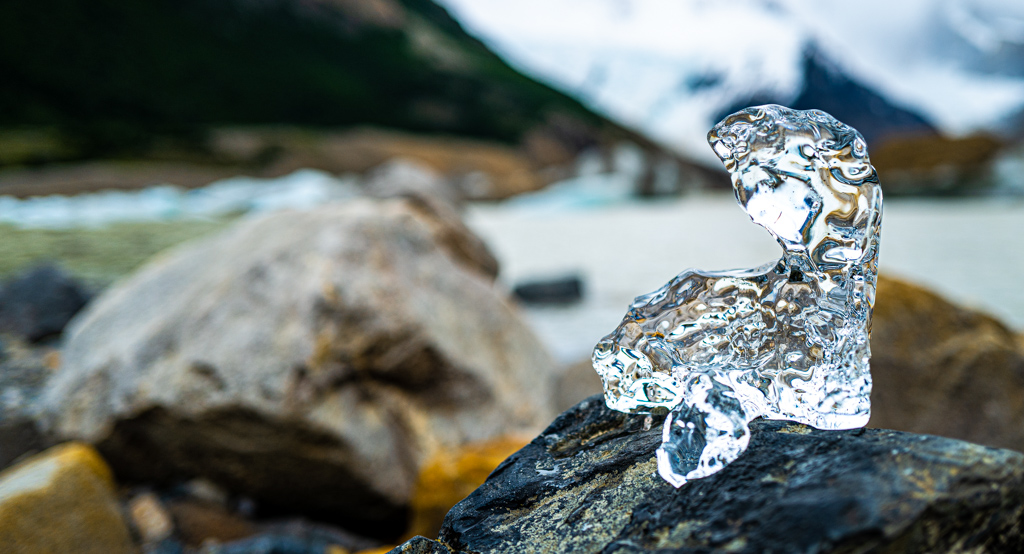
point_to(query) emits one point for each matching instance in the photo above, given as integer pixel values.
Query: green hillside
(113, 76)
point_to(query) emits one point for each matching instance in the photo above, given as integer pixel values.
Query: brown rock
(944, 370)
(932, 163)
(507, 171)
(61, 500)
(575, 383)
(199, 522)
(310, 361)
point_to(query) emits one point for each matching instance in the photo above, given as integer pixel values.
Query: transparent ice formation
(788, 340)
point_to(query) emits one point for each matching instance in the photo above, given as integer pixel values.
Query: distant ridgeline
(911, 155)
(112, 74)
(826, 87)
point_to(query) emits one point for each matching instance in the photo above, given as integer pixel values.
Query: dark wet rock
(38, 303)
(421, 545)
(589, 483)
(552, 291)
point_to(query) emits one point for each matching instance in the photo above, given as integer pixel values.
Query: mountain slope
(668, 67)
(112, 74)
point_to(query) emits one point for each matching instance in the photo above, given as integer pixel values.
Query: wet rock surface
(309, 361)
(557, 291)
(589, 484)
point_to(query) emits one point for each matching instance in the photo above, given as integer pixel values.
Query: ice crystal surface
(788, 340)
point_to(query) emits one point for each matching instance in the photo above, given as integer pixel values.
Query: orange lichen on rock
(62, 500)
(449, 476)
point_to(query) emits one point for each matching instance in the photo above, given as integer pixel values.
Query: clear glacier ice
(788, 340)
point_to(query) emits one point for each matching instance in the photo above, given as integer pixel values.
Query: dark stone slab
(589, 483)
(564, 290)
(38, 304)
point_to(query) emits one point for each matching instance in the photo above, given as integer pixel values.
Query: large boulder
(942, 369)
(62, 500)
(311, 361)
(589, 483)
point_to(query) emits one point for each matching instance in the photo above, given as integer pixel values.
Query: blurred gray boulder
(403, 178)
(310, 361)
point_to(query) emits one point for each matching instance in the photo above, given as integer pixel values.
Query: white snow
(302, 189)
(634, 59)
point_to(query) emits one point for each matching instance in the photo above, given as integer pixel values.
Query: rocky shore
(335, 380)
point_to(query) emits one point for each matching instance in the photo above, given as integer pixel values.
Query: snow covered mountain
(670, 67)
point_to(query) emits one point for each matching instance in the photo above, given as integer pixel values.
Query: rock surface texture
(310, 361)
(589, 483)
(62, 500)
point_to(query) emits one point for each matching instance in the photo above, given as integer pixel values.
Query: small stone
(38, 303)
(206, 491)
(200, 522)
(151, 520)
(400, 178)
(565, 290)
(422, 545)
(62, 500)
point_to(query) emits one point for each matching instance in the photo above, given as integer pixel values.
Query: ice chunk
(788, 340)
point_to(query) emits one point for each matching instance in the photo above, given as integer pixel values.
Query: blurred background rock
(257, 258)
